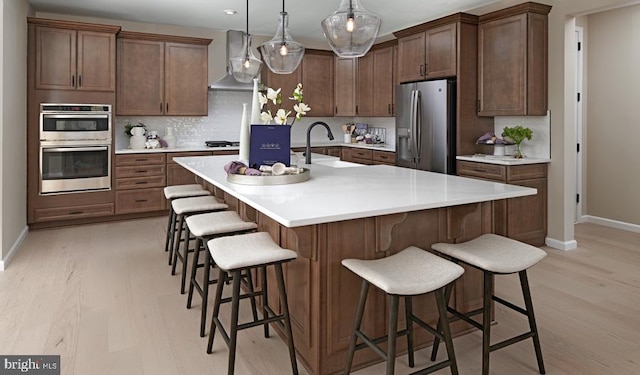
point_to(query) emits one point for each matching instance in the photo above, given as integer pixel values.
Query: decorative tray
(284, 179)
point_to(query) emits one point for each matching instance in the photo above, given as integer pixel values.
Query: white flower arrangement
(281, 115)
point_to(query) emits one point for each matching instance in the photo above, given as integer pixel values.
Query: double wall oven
(75, 148)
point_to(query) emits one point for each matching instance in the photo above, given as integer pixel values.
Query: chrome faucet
(307, 154)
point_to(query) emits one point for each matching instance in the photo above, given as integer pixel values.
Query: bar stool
(496, 255)
(175, 192)
(409, 273)
(183, 208)
(205, 227)
(233, 255)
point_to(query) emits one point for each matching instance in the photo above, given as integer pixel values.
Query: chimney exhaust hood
(234, 48)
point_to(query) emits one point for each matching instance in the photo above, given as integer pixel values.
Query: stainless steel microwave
(72, 122)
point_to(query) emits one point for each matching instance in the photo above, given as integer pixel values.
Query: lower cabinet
(368, 156)
(177, 174)
(72, 213)
(140, 180)
(525, 218)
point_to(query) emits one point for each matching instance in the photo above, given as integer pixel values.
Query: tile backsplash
(540, 144)
(223, 123)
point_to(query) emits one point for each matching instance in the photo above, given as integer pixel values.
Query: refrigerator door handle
(417, 124)
(412, 134)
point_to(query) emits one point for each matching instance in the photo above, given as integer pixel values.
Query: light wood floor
(102, 297)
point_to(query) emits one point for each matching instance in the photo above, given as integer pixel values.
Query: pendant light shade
(282, 54)
(246, 66)
(351, 30)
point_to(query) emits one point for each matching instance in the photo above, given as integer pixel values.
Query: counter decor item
(517, 134)
(169, 138)
(276, 174)
(129, 126)
(491, 139)
(137, 140)
(245, 131)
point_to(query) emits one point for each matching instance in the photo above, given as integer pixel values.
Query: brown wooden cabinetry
(177, 174)
(384, 80)
(345, 86)
(140, 181)
(367, 156)
(525, 218)
(428, 54)
(317, 82)
(512, 61)
(74, 55)
(171, 81)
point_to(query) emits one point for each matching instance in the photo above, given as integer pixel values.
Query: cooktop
(221, 144)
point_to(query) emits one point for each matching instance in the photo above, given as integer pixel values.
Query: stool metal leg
(233, 331)
(177, 237)
(205, 287)
(282, 291)
(265, 299)
(170, 228)
(443, 326)
(393, 333)
(486, 321)
(222, 278)
(185, 261)
(408, 308)
(526, 293)
(436, 341)
(194, 271)
(356, 325)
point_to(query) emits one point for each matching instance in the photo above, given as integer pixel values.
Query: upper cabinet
(74, 55)
(512, 61)
(162, 75)
(315, 72)
(428, 54)
(376, 81)
(345, 86)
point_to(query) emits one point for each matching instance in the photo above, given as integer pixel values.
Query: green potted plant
(516, 135)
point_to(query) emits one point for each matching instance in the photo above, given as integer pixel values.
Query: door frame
(579, 124)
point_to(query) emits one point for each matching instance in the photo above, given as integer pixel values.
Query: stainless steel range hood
(234, 48)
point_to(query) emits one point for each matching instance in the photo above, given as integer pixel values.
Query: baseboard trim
(612, 223)
(561, 245)
(4, 263)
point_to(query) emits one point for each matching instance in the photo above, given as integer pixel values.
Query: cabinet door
(55, 58)
(96, 61)
(441, 50)
(186, 73)
(140, 79)
(345, 86)
(383, 82)
(317, 82)
(287, 83)
(364, 89)
(502, 66)
(527, 216)
(411, 58)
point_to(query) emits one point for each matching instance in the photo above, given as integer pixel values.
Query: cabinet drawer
(78, 212)
(361, 161)
(139, 159)
(526, 172)
(384, 157)
(141, 200)
(140, 171)
(359, 153)
(183, 154)
(140, 182)
(482, 170)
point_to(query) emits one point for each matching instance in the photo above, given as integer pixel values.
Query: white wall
(613, 155)
(13, 120)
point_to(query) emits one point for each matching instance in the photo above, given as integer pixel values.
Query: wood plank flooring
(103, 298)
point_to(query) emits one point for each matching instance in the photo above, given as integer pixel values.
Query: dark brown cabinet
(162, 75)
(286, 83)
(384, 80)
(512, 61)
(177, 174)
(367, 156)
(345, 86)
(364, 85)
(139, 181)
(525, 218)
(74, 56)
(428, 54)
(317, 82)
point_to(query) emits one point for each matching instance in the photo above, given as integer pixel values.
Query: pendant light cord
(283, 26)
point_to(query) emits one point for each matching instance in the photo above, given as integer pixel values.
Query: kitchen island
(359, 212)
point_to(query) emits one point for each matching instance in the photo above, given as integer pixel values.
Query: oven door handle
(75, 115)
(68, 149)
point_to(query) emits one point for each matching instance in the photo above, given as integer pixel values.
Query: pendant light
(351, 30)
(246, 66)
(282, 54)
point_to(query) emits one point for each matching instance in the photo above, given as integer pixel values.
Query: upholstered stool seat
(496, 255)
(174, 192)
(245, 252)
(205, 227)
(409, 273)
(183, 208)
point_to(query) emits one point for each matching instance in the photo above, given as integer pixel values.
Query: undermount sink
(336, 163)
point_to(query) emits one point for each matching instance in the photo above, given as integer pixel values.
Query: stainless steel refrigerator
(425, 126)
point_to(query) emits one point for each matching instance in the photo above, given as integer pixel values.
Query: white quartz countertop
(384, 147)
(501, 160)
(336, 194)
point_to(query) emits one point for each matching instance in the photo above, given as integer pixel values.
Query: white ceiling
(304, 15)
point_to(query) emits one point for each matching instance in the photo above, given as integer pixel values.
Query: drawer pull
(141, 171)
(479, 170)
(141, 200)
(141, 183)
(142, 159)
(76, 212)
